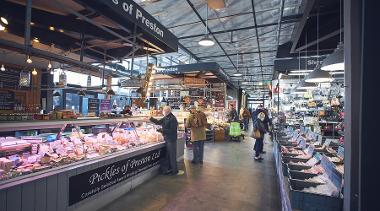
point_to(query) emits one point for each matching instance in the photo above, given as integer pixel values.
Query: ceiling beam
(307, 7)
(251, 52)
(241, 29)
(321, 39)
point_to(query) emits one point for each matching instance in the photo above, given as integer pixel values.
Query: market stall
(111, 160)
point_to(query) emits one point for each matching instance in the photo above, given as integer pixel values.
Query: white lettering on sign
(128, 8)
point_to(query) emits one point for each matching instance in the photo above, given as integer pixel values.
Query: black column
(362, 143)
(369, 144)
(352, 46)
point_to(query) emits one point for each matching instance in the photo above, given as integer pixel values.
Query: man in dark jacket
(232, 115)
(169, 125)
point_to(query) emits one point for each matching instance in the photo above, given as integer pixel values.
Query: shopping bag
(256, 133)
(267, 137)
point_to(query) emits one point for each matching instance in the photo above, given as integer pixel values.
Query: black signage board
(93, 105)
(284, 65)
(131, 12)
(189, 68)
(90, 183)
(7, 100)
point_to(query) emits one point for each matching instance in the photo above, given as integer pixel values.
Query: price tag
(318, 156)
(302, 143)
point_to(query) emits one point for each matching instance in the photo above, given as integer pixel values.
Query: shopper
(169, 125)
(245, 115)
(259, 144)
(232, 115)
(127, 110)
(197, 121)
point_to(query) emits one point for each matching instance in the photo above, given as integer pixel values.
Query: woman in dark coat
(259, 144)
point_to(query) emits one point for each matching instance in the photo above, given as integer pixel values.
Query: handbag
(256, 133)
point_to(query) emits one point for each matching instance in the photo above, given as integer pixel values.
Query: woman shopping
(258, 134)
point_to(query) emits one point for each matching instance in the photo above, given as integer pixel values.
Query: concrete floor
(228, 180)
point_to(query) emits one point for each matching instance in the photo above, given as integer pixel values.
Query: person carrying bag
(258, 134)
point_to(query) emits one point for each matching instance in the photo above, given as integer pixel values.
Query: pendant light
(49, 65)
(57, 94)
(318, 75)
(206, 40)
(2, 68)
(237, 74)
(34, 72)
(147, 100)
(335, 61)
(163, 100)
(29, 60)
(81, 93)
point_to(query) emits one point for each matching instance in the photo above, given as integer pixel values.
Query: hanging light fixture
(52, 72)
(2, 68)
(57, 94)
(81, 93)
(206, 40)
(306, 85)
(147, 100)
(318, 75)
(49, 65)
(34, 72)
(163, 100)
(110, 92)
(4, 20)
(29, 60)
(237, 74)
(300, 91)
(335, 61)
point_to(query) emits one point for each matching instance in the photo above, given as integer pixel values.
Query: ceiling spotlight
(36, 39)
(4, 20)
(29, 60)
(51, 28)
(61, 30)
(49, 65)
(34, 72)
(32, 23)
(2, 28)
(2, 68)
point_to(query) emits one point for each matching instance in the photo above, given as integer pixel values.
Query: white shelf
(48, 124)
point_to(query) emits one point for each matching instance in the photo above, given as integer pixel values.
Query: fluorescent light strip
(298, 74)
(301, 71)
(336, 73)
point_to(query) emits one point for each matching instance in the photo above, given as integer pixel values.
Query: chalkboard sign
(7, 100)
(10, 79)
(93, 105)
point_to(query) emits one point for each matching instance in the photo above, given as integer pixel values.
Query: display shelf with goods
(310, 169)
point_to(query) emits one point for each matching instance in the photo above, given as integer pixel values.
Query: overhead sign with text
(136, 14)
(89, 183)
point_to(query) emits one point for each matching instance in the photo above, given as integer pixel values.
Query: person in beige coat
(197, 121)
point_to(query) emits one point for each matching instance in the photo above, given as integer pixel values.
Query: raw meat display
(315, 170)
(20, 156)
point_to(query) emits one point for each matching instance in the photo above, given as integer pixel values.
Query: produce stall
(71, 169)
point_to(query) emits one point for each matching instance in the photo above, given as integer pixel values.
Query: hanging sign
(89, 183)
(134, 13)
(105, 106)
